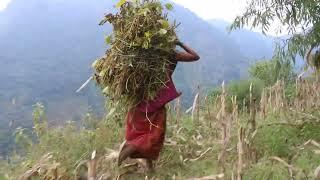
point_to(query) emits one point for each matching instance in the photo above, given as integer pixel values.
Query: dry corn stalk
(195, 106)
(235, 109)
(263, 104)
(226, 121)
(253, 115)
(317, 173)
(240, 153)
(178, 111)
(207, 103)
(250, 97)
(44, 169)
(212, 177)
(92, 167)
(198, 104)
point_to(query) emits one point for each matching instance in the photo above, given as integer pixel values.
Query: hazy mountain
(252, 44)
(47, 47)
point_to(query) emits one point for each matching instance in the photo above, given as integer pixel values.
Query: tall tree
(301, 18)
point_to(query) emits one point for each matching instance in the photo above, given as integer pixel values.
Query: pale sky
(3, 4)
(206, 9)
(215, 9)
(226, 10)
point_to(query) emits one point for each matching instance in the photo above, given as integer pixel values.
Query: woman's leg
(126, 152)
(144, 140)
(149, 164)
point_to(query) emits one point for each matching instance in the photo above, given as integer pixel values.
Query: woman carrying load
(146, 123)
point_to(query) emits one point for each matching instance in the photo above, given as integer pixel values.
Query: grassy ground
(272, 140)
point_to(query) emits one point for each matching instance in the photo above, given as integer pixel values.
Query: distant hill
(252, 44)
(47, 47)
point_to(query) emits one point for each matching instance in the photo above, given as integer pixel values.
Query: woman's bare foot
(149, 166)
(126, 151)
(146, 165)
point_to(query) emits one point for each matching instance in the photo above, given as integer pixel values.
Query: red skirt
(146, 132)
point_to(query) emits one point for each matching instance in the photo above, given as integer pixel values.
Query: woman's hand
(179, 43)
(189, 56)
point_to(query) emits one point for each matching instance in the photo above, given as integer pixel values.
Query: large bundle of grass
(141, 47)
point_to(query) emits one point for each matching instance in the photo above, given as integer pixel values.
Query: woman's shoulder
(173, 64)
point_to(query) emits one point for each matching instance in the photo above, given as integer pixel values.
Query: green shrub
(290, 91)
(241, 89)
(270, 71)
(276, 140)
(267, 170)
(307, 161)
(310, 131)
(68, 145)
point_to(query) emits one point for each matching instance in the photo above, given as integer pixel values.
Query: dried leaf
(163, 31)
(93, 155)
(111, 112)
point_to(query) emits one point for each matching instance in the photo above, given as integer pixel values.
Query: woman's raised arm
(189, 56)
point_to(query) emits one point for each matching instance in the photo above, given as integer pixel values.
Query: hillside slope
(47, 47)
(252, 44)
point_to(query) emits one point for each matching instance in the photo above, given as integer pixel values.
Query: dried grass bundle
(141, 47)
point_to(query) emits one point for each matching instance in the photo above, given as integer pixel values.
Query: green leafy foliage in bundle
(142, 44)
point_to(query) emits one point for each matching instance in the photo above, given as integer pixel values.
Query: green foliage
(120, 3)
(22, 139)
(281, 140)
(307, 160)
(90, 121)
(266, 170)
(68, 145)
(142, 46)
(310, 131)
(108, 42)
(169, 6)
(4, 170)
(270, 71)
(241, 89)
(299, 17)
(276, 141)
(39, 119)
